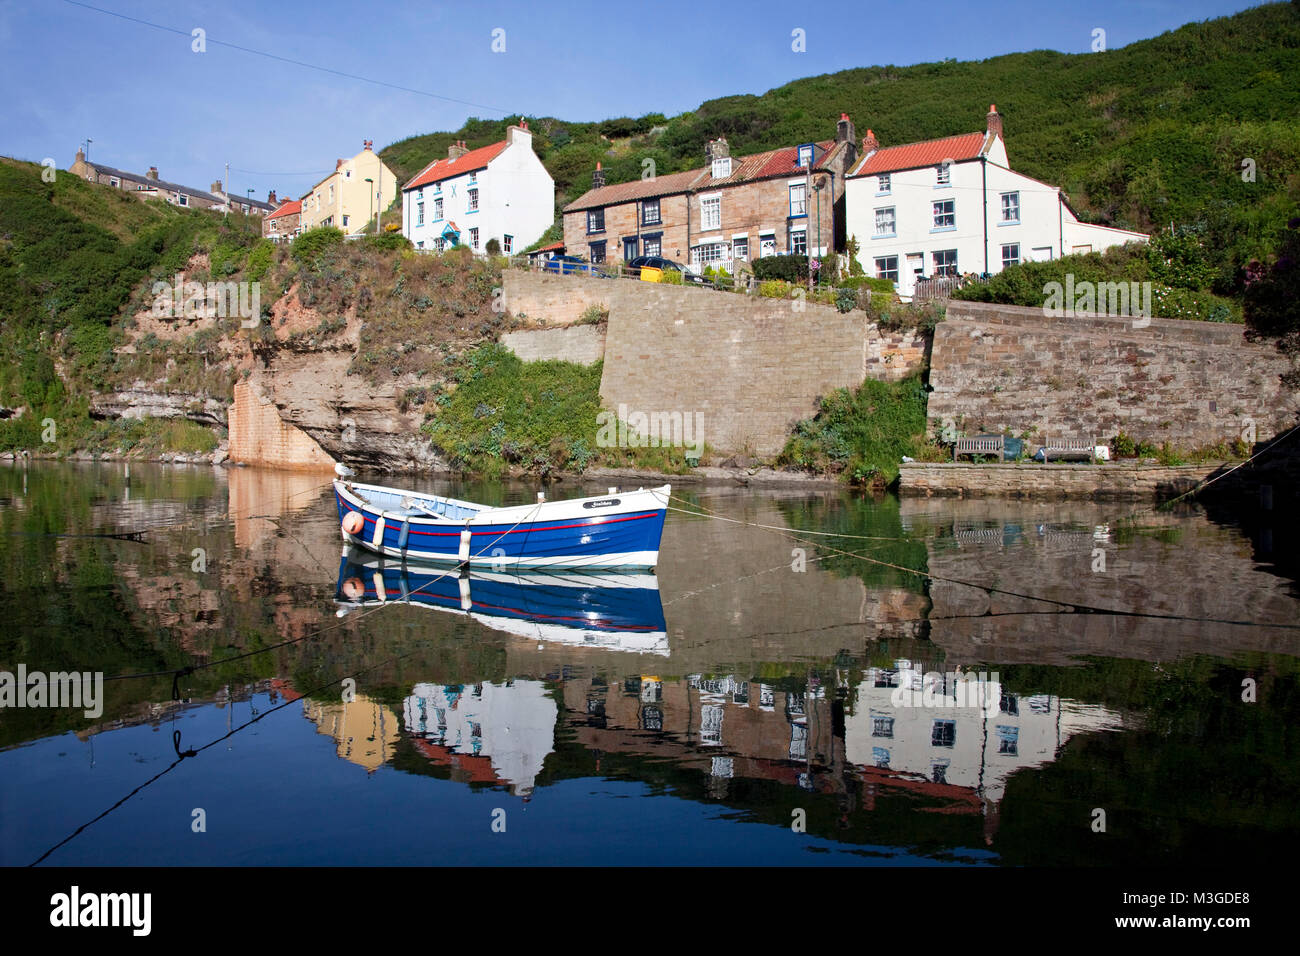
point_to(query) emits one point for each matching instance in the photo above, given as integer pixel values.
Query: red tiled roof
(636, 189)
(554, 245)
(774, 162)
(288, 208)
(441, 169)
(931, 152)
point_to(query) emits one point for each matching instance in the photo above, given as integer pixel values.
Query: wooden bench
(1061, 447)
(983, 445)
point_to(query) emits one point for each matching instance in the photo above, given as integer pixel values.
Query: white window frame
(722, 167)
(1008, 199)
(795, 236)
(882, 271)
(473, 237)
(934, 259)
(798, 201)
(1014, 259)
(945, 214)
(884, 185)
(943, 175)
(473, 200)
(710, 212)
(437, 210)
(508, 244)
(890, 214)
(419, 213)
(740, 248)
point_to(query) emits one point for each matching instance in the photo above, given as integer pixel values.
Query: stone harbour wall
(1007, 369)
(747, 368)
(1113, 481)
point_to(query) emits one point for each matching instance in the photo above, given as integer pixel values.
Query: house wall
(755, 209)
(621, 222)
(1044, 226)
(282, 227)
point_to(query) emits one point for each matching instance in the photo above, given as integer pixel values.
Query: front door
(767, 246)
(630, 249)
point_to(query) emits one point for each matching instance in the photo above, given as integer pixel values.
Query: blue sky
(147, 99)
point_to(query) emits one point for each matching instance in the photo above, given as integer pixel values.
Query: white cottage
(953, 206)
(500, 192)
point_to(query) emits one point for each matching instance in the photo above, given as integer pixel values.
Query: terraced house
(150, 186)
(951, 206)
(787, 201)
(501, 191)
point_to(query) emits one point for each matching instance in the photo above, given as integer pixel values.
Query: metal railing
(941, 287)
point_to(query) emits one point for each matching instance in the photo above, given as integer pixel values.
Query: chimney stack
(994, 121)
(270, 197)
(368, 145)
(598, 177)
(152, 174)
(81, 155)
(216, 187)
(847, 133)
(520, 133)
(456, 150)
(869, 143)
(717, 149)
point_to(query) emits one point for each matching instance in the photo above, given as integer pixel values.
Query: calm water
(744, 705)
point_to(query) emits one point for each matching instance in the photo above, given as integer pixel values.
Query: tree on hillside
(1272, 300)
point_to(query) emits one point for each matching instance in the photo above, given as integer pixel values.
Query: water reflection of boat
(613, 611)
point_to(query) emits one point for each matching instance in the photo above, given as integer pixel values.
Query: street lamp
(372, 201)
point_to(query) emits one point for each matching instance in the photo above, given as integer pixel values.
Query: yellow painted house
(349, 197)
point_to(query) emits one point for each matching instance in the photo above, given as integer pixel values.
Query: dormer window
(806, 155)
(943, 174)
(883, 184)
(722, 167)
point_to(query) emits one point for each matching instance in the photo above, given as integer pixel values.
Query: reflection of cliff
(364, 730)
(259, 497)
(1176, 565)
(497, 733)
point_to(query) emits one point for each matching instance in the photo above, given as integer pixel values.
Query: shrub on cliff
(861, 435)
(308, 246)
(1272, 304)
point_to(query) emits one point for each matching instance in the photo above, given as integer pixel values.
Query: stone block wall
(1009, 369)
(747, 367)
(259, 436)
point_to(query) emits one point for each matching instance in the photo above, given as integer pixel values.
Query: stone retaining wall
(1118, 481)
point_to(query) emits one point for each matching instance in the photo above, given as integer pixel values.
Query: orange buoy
(353, 522)
(354, 589)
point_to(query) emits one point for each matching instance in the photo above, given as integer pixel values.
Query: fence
(941, 287)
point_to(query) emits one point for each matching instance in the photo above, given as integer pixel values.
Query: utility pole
(226, 184)
(807, 195)
(88, 142)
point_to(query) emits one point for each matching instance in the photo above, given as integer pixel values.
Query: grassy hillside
(1139, 137)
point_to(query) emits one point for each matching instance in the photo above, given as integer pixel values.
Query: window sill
(943, 229)
(884, 194)
(889, 235)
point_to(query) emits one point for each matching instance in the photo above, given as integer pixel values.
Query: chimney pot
(270, 197)
(870, 143)
(456, 150)
(994, 119)
(152, 174)
(598, 177)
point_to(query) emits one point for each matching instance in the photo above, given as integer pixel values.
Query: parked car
(655, 265)
(569, 265)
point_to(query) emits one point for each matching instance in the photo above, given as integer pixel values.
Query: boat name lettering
(601, 503)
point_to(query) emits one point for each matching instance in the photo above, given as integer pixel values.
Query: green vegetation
(861, 435)
(1273, 300)
(1178, 265)
(506, 416)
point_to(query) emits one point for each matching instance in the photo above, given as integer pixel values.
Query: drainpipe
(1060, 224)
(984, 188)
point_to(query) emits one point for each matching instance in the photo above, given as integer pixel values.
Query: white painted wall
(516, 198)
(1044, 226)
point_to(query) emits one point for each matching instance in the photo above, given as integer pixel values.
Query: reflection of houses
(497, 733)
(944, 736)
(364, 730)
